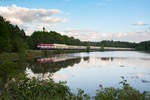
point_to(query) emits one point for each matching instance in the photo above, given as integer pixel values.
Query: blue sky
(105, 17)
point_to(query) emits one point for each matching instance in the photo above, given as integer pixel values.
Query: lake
(89, 70)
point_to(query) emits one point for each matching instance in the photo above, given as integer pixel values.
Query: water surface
(88, 70)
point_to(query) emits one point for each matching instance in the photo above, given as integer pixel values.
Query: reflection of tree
(52, 67)
(86, 58)
(112, 58)
(105, 58)
(9, 70)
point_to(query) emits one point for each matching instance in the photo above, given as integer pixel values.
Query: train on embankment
(43, 46)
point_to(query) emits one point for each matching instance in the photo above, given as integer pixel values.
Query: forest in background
(14, 39)
(14, 84)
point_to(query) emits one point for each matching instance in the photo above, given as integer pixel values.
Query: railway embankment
(29, 54)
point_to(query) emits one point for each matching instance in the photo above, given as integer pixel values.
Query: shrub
(124, 93)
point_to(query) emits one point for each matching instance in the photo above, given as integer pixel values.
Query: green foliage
(33, 89)
(12, 39)
(50, 37)
(88, 49)
(82, 96)
(124, 93)
(7, 56)
(108, 43)
(8, 69)
(118, 44)
(4, 36)
(53, 37)
(143, 46)
(102, 48)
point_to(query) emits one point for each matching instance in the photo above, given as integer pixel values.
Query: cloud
(21, 15)
(27, 17)
(140, 23)
(86, 35)
(29, 29)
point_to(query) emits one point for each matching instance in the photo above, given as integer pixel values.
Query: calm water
(88, 70)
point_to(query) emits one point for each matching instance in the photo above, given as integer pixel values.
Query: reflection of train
(56, 59)
(71, 47)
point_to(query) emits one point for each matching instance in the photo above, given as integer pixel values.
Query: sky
(87, 20)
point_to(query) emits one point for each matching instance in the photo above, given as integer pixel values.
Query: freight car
(59, 46)
(46, 46)
(43, 46)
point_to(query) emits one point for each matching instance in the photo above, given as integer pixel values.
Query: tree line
(13, 39)
(143, 46)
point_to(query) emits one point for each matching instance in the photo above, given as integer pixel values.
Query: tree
(12, 38)
(4, 36)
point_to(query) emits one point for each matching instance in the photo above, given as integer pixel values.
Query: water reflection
(88, 70)
(145, 81)
(86, 58)
(105, 58)
(52, 64)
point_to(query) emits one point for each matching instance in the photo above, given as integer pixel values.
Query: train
(59, 46)
(44, 46)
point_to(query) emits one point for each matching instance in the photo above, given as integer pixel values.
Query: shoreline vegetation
(16, 48)
(23, 88)
(30, 54)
